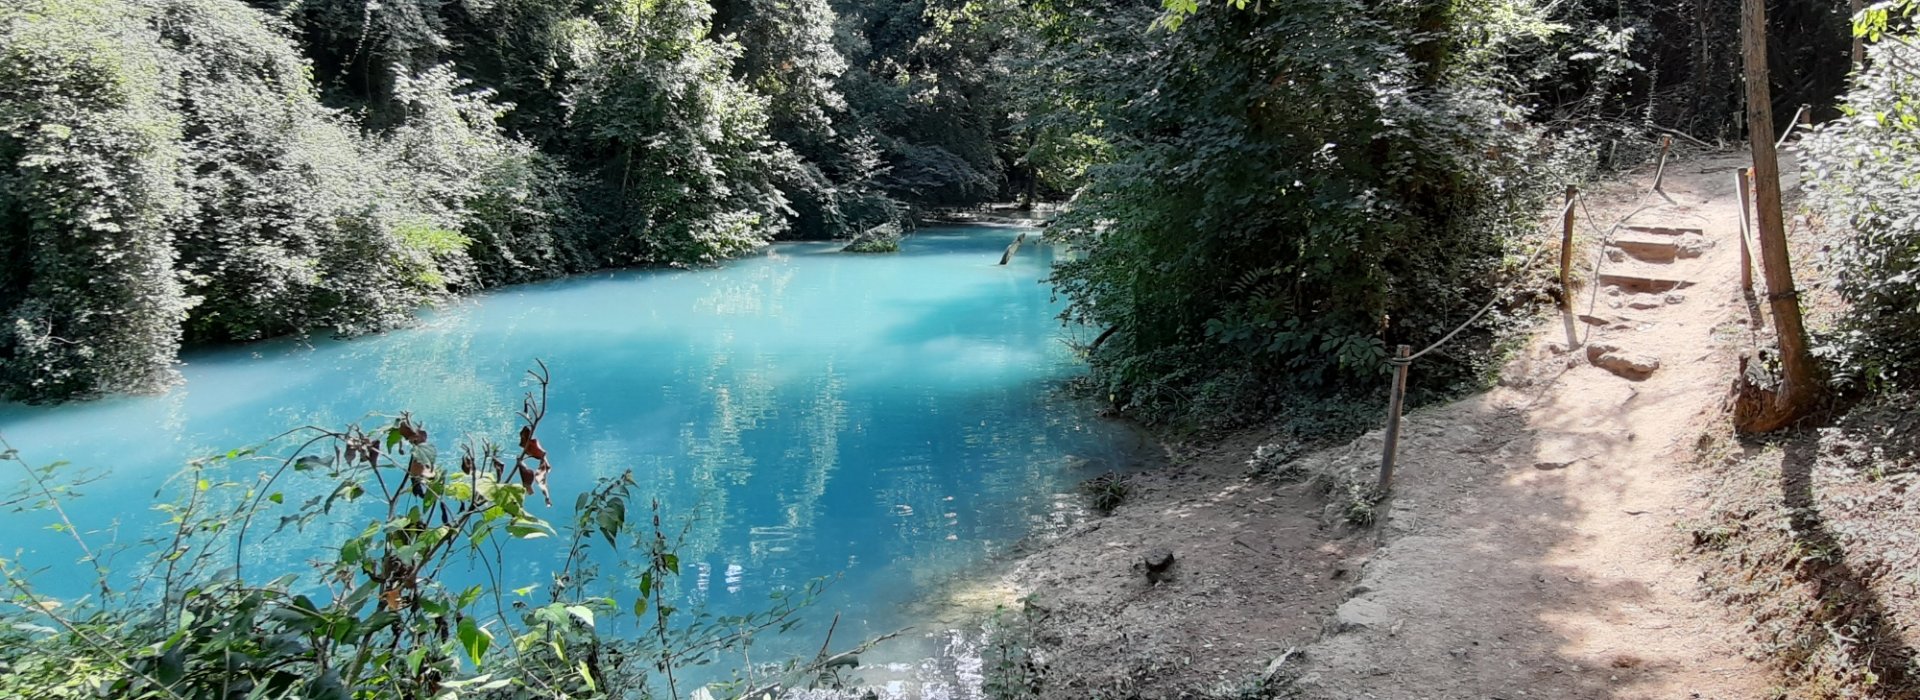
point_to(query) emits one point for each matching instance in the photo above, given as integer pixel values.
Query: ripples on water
(889, 419)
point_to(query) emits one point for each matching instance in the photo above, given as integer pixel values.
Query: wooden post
(1859, 61)
(1666, 145)
(1013, 248)
(1801, 386)
(1745, 185)
(1395, 403)
(1566, 269)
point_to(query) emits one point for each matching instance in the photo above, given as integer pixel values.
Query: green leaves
(474, 639)
(1309, 183)
(1861, 174)
(610, 517)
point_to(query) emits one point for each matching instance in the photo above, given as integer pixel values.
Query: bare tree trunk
(1758, 407)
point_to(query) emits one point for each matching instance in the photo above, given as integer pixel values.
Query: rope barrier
(1600, 257)
(1400, 363)
(1477, 314)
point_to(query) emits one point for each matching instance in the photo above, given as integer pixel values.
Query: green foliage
(884, 238)
(1297, 193)
(928, 85)
(684, 175)
(383, 613)
(1863, 176)
(90, 189)
(1011, 667)
(1108, 491)
(296, 224)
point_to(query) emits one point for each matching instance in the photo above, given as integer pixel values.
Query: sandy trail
(1530, 547)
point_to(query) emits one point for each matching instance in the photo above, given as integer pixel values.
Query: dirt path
(1529, 551)
(1530, 545)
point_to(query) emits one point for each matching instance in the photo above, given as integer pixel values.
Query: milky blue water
(893, 420)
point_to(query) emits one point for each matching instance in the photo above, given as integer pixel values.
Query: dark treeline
(1281, 190)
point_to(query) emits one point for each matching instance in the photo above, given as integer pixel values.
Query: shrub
(884, 238)
(1863, 174)
(1312, 184)
(89, 195)
(1108, 491)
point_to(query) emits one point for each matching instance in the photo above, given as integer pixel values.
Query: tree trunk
(1760, 405)
(1859, 49)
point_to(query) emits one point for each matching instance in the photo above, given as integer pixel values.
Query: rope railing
(1404, 355)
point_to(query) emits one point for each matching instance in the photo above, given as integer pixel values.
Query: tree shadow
(1845, 604)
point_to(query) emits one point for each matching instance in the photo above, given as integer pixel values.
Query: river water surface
(890, 420)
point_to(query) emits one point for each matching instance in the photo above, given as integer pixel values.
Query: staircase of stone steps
(1645, 269)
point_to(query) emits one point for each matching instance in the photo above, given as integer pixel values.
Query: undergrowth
(1108, 491)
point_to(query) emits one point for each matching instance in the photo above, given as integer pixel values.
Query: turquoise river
(895, 421)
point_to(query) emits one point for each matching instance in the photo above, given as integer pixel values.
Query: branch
(1681, 134)
(850, 657)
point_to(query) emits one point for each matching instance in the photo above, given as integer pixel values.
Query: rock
(1643, 301)
(1358, 614)
(1631, 365)
(1692, 245)
(1674, 298)
(1159, 564)
(1616, 255)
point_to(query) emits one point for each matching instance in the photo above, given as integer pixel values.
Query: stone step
(1643, 284)
(1623, 363)
(1667, 230)
(1648, 247)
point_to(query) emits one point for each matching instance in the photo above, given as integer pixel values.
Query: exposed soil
(1256, 570)
(1815, 537)
(1530, 548)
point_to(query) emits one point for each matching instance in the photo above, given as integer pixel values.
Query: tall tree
(1765, 409)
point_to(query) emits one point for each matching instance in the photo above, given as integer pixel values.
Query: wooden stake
(1859, 48)
(1666, 146)
(1801, 386)
(1395, 404)
(1566, 269)
(1745, 185)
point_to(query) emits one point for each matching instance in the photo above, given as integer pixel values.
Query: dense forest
(1286, 190)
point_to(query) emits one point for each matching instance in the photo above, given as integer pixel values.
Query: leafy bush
(169, 170)
(687, 181)
(1310, 185)
(90, 190)
(295, 224)
(884, 238)
(1863, 174)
